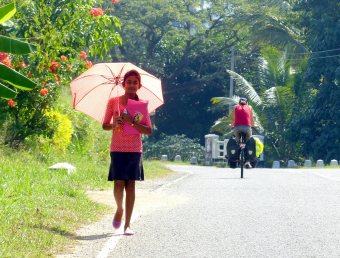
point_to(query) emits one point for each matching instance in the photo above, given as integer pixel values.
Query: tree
(69, 36)
(9, 76)
(188, 44)
(273, 103)
(316, 121)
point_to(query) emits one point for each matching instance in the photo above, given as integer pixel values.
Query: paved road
(211, 212)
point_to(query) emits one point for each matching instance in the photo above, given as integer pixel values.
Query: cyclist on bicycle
(243, 121)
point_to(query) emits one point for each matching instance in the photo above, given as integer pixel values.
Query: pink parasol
(93, 88)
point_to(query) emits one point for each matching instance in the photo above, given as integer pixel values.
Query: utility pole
(232, 68)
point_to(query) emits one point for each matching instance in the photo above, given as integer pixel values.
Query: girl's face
(131, 84)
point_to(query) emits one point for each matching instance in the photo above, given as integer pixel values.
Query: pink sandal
(128, 232)
(116, 224)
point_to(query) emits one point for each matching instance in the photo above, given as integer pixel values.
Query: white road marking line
(111, 243)
(172, 182)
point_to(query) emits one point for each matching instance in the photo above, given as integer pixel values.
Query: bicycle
(242, 145)
(238, 153)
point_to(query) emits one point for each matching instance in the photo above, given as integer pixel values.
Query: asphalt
(211, 212)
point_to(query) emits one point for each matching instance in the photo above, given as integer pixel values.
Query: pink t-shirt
(242, 115)
(121, 142)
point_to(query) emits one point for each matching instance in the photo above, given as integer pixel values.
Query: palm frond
(224, 101)
(270, 97)
(245, 88)
(258, 124)
(279, 36)
(220, 125)
(281, 97)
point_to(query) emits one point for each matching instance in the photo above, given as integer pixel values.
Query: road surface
(211, 212)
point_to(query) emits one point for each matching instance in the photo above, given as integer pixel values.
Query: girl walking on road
(126, 149)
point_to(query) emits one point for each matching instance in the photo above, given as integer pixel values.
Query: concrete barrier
(307, 163)
(276, 164)
(334, 163)
(320, 163)
(193, 160)
(291, 164)
(178, 158)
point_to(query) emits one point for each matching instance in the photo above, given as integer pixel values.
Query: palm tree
(273, 105)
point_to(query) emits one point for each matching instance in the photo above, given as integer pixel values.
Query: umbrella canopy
(93, 88)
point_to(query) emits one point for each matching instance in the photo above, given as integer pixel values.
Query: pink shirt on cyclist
(121, 142)
(242, 115)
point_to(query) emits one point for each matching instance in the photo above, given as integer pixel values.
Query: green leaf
(16, 79)
(6, 92)
(6, 12)
(224, 101)
(245, 87)
(14, 46)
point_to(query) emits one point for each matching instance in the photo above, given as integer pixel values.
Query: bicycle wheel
(242, 161)
(242, 141)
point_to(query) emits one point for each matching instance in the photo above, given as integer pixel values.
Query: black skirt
(126, 166)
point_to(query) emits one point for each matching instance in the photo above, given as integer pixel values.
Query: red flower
(54, 66)
(29, 74)
(44, 91)
(56, 77)
(11, 103)
(7, 62)
(3, 55)
(88, 64)
(64, 58)
(82, 55)
(115, 1)
(21, 64)
(96, 12)
(68, 67)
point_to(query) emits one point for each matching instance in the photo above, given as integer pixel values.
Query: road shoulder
(92, 238)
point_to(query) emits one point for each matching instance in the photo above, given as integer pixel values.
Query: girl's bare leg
(118, 193)
(129, 201)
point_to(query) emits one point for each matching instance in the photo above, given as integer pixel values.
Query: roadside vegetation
(42, 208)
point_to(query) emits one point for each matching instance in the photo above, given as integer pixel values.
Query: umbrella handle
(118, 106)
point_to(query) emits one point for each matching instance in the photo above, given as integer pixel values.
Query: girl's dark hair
(133, 73)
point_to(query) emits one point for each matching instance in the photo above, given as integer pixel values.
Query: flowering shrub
(21, 64)
(88, 64)
(172, 145)
(6, 60)
(54, 66)
(96, 12)
(67, 46)
(44, 91)
(82, 55)
(61, 129)
(63, 58)
(11, 103)
(3, 56)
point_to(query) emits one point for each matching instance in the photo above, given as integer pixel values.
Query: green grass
(153, 169)
(326, 166)
(41, 209)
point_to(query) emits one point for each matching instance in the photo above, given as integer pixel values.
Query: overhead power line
(292, 59)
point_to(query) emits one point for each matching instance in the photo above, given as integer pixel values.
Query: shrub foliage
(172, 145)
